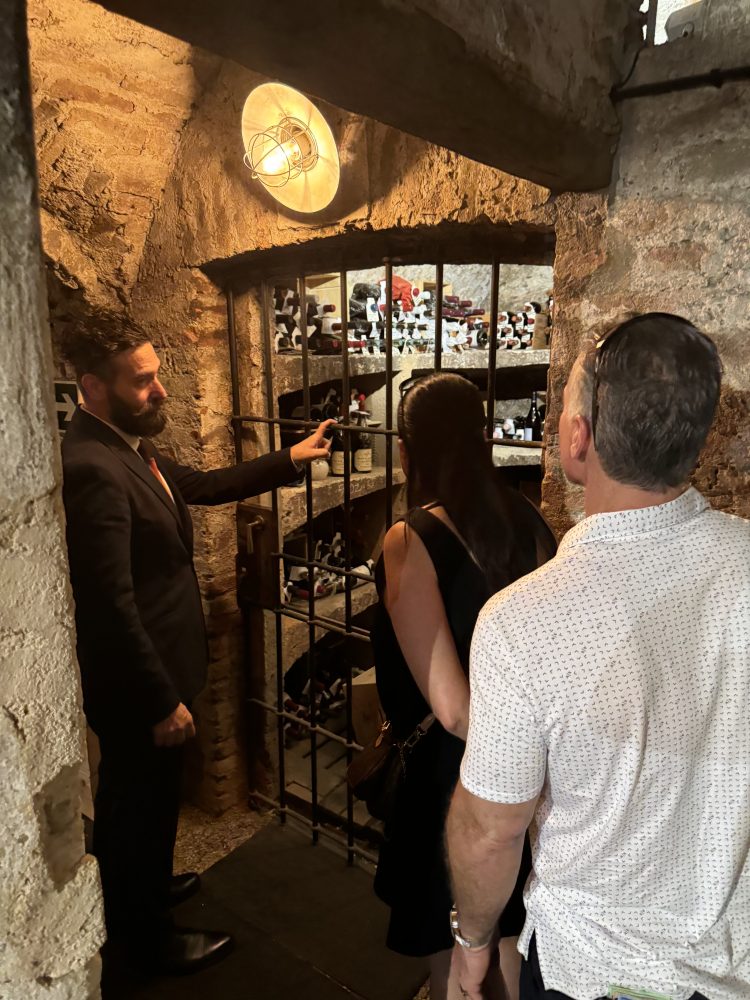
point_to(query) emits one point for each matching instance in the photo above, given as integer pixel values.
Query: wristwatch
(458, 937)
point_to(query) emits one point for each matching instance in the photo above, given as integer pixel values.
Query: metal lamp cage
(300, 155)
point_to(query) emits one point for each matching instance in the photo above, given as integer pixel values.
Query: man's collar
(129, 439)
(622, 524)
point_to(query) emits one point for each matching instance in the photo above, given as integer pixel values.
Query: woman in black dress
(464, 538)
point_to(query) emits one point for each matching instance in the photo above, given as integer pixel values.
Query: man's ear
(580, 438)
(93, 387)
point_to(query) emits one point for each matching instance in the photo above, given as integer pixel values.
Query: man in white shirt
(610, 699)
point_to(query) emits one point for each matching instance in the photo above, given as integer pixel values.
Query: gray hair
(581, 384)
(659, 384)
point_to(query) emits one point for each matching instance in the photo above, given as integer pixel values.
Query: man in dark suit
(141, 636)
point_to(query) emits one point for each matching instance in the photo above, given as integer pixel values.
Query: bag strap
(411, 741)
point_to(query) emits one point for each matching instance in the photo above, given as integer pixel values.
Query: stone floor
(305, 924)
(202, 840)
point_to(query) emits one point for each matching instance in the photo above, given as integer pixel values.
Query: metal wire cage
(280, 154)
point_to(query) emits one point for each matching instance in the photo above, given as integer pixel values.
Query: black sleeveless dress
(412, 877)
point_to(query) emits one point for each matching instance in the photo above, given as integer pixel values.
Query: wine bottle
(532, 421)
(338, 454)
(538, 428)
(362, 444)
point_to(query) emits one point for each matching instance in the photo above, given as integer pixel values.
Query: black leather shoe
(182, 887)
(187, 951)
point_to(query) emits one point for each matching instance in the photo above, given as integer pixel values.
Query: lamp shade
(289, 147)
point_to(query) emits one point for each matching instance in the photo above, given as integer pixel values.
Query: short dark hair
(658, 386)
(91, 346)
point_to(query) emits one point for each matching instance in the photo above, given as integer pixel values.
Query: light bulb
(281, 158)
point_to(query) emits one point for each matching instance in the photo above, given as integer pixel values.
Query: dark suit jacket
(141, 636)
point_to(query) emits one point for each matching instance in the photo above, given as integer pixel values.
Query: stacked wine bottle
(465, 325)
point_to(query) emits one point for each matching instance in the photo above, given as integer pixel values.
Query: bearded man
(140, 631)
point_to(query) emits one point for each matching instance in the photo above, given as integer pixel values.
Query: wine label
(337, 463)
(363, 460)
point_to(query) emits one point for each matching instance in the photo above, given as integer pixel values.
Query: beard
(149, 421)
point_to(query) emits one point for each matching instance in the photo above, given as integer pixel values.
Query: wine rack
(327, 630)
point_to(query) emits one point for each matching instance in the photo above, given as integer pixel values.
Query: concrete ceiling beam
(521, 86)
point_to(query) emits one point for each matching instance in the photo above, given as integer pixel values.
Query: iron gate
(316, 731)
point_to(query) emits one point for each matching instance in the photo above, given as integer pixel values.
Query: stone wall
(50, 901)
(110, 101)
(671, 235)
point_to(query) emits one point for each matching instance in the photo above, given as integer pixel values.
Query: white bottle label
(363, 460)
(337, 463)
(527, 432)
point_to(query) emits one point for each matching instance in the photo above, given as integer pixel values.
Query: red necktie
(151, 462)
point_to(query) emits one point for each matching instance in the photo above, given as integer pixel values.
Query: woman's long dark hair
(441, 422)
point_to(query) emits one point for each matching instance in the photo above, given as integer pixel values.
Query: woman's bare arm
(415, 606)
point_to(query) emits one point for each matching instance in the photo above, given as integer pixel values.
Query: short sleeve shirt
(614, 682)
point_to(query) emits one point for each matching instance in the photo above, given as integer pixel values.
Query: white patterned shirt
(615, 681)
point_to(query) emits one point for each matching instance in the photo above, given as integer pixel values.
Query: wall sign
(66, 400)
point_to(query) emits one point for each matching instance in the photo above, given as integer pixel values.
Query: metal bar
(330, 834)
(265, 305)
(327, 624)
(337, 737)
(280, 717)
(492, 365)
(330, 624)
(388, 391)
(651, 21)
(299, 561)
(234, 375)
(265, 326)
(713, 78)
(310, 551)
(312, 424)
(438, 316)
(348, 455)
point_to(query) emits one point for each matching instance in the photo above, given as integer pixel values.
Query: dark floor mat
(306, 926)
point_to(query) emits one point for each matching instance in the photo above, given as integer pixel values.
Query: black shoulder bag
(379, 768)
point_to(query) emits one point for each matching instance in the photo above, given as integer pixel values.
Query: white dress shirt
(615, 681)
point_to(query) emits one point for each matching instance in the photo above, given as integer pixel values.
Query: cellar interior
(129, 184)
(291, 696)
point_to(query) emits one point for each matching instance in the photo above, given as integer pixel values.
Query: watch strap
(465, 942)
